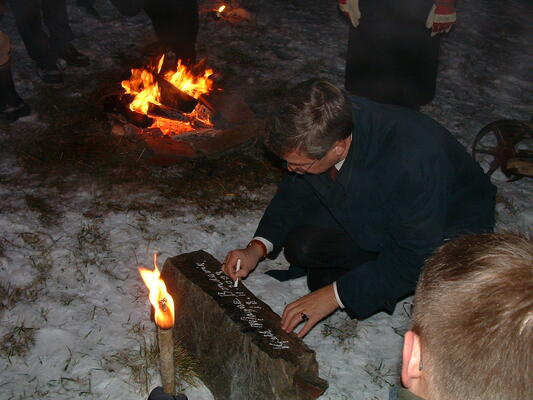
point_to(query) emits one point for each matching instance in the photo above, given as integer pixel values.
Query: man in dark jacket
(369, 192)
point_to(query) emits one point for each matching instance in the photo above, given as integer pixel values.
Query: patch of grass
(42, 263)
(143, 363)
(48, 215)
(77, 137)
(223, 185)
(91, 250)
(264, 99)
(509, 205)
(347, 330)
(311, 67)
(9, 295)
(380, 375)
(77, 143)
(235, 55)
(17, 342)
(91, 237)
(187, 367)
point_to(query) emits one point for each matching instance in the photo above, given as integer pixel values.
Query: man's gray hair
(310, 119)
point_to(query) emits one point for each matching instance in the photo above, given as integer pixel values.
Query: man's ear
(411, 360)
(340, 146)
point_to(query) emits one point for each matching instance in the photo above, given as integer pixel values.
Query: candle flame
(221, 8)
(159, 297)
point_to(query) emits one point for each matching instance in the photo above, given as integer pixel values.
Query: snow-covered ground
(73, 311)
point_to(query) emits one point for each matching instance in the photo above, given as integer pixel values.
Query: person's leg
(12, 106)
(56, 19)
(325, 253)
(176, 26)
(29, 23)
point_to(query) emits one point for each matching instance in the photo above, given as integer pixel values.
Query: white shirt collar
(338, 166)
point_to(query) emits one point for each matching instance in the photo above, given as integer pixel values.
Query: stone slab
(237, 338)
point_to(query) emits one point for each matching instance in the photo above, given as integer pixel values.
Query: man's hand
(441, 17)
(249, 257)
(315, 306)
(350, 8)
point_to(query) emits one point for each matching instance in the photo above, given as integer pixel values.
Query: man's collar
(338, 166)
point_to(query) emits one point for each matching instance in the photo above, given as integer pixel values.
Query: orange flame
(221, 8)
(159, 297)
(143, 84)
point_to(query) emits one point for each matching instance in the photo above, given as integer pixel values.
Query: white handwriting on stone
(246, 306)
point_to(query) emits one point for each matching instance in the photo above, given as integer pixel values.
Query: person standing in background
(393, 48)
(175, 22)
(12, 107)
(46, 49)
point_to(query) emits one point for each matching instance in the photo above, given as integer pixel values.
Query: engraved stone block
(237, 339)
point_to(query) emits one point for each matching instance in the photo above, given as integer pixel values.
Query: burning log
(120, 104)
(237, 339)
(163, 111)
(206, 103)
(174, 98)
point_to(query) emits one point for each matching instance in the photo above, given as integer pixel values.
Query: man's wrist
(260, 246)
(337, 297)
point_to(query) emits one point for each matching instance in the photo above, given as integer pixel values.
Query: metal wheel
(502, 140)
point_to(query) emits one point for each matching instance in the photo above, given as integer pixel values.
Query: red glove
(441, 17)
(350, 9)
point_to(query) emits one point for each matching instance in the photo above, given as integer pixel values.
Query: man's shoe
(73, 57)
(283, 275)
(49, 73)
(12, 112)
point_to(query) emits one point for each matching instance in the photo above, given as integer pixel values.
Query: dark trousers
(326, 253)
(391, 56)
(30, 16)
(176, 26)
(175, 23)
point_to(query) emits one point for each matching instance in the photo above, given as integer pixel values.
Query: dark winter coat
(406, 185)
(391, 55)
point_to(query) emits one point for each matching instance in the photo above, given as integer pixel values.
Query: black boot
(12, 107)
(73, 57)
(48, 70)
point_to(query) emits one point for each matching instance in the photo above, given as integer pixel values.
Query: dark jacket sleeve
(287, 209)
(416, 209)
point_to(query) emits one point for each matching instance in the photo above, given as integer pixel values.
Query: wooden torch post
(163, 306)
(166, 360)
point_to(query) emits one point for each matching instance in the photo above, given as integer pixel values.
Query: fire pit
(176, 113)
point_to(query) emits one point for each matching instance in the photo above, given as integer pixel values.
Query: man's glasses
(302, 167)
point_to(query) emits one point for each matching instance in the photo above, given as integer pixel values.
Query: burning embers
(166, 114)
(171, 101)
